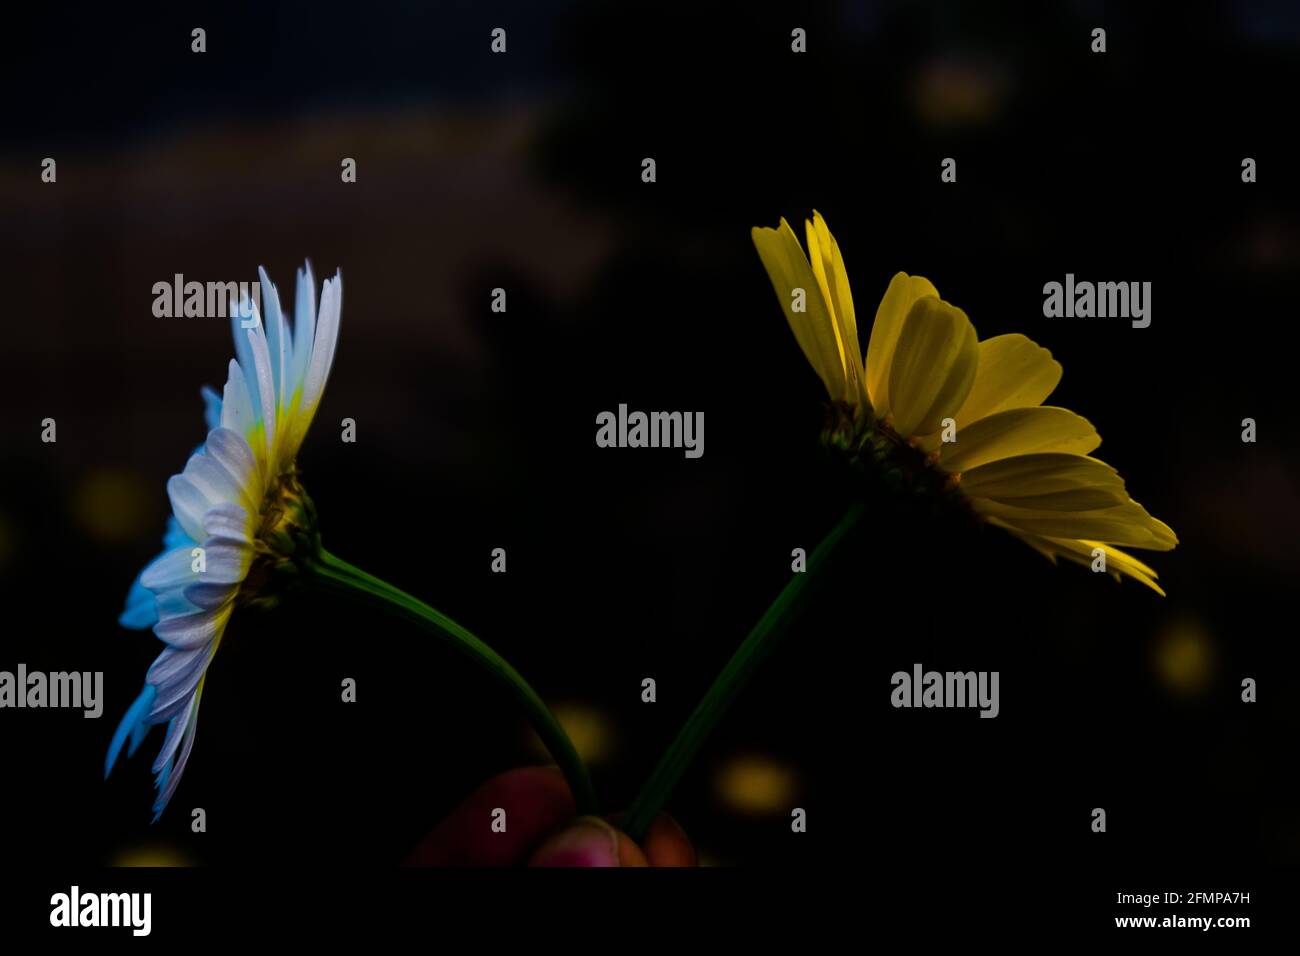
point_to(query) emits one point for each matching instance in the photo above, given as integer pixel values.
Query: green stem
(752, 652)
(335, 573)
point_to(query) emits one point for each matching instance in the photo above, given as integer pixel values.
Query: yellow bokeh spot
(1184, 657)
(590, 730)
(950, 92)
(757, 785)
(111, 505)
(158, 855)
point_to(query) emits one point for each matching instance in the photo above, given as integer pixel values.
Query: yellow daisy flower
(959, 414)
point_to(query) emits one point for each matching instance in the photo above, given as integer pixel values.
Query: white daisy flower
(239, 514)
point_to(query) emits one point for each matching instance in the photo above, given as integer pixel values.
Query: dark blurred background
(476, 429)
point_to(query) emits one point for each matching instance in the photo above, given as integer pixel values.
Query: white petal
(322, 353)
(265, 386)
(175, 674)
(237, 415)
(193, 632)
(227, 560)
(229, 521)
(188, 504)
(210, 596)
(175, 731)
(170, 570)
(172, 602)
(304, 330)
(216, 484)
(232, 452)
(277, 338)
(187, 745)
(244, 349)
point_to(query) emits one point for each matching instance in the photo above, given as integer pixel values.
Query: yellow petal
(1039, 474)
(1118, 565)
(1014, 372)
(1113, 556)
(899, 298)
(828, 266)
(788, 269)
(1072, 499)
(933, 368)
(1080, 551)
(1127, 524)
(1017, 431)
(1047, 494)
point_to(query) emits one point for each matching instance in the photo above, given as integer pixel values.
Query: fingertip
(666, 844)
(533, 801)
(587, 842)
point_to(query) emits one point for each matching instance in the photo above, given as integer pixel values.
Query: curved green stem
(752, 652)
(335, 573)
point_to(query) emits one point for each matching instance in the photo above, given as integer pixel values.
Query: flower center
(286, 535)
(879, 456)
